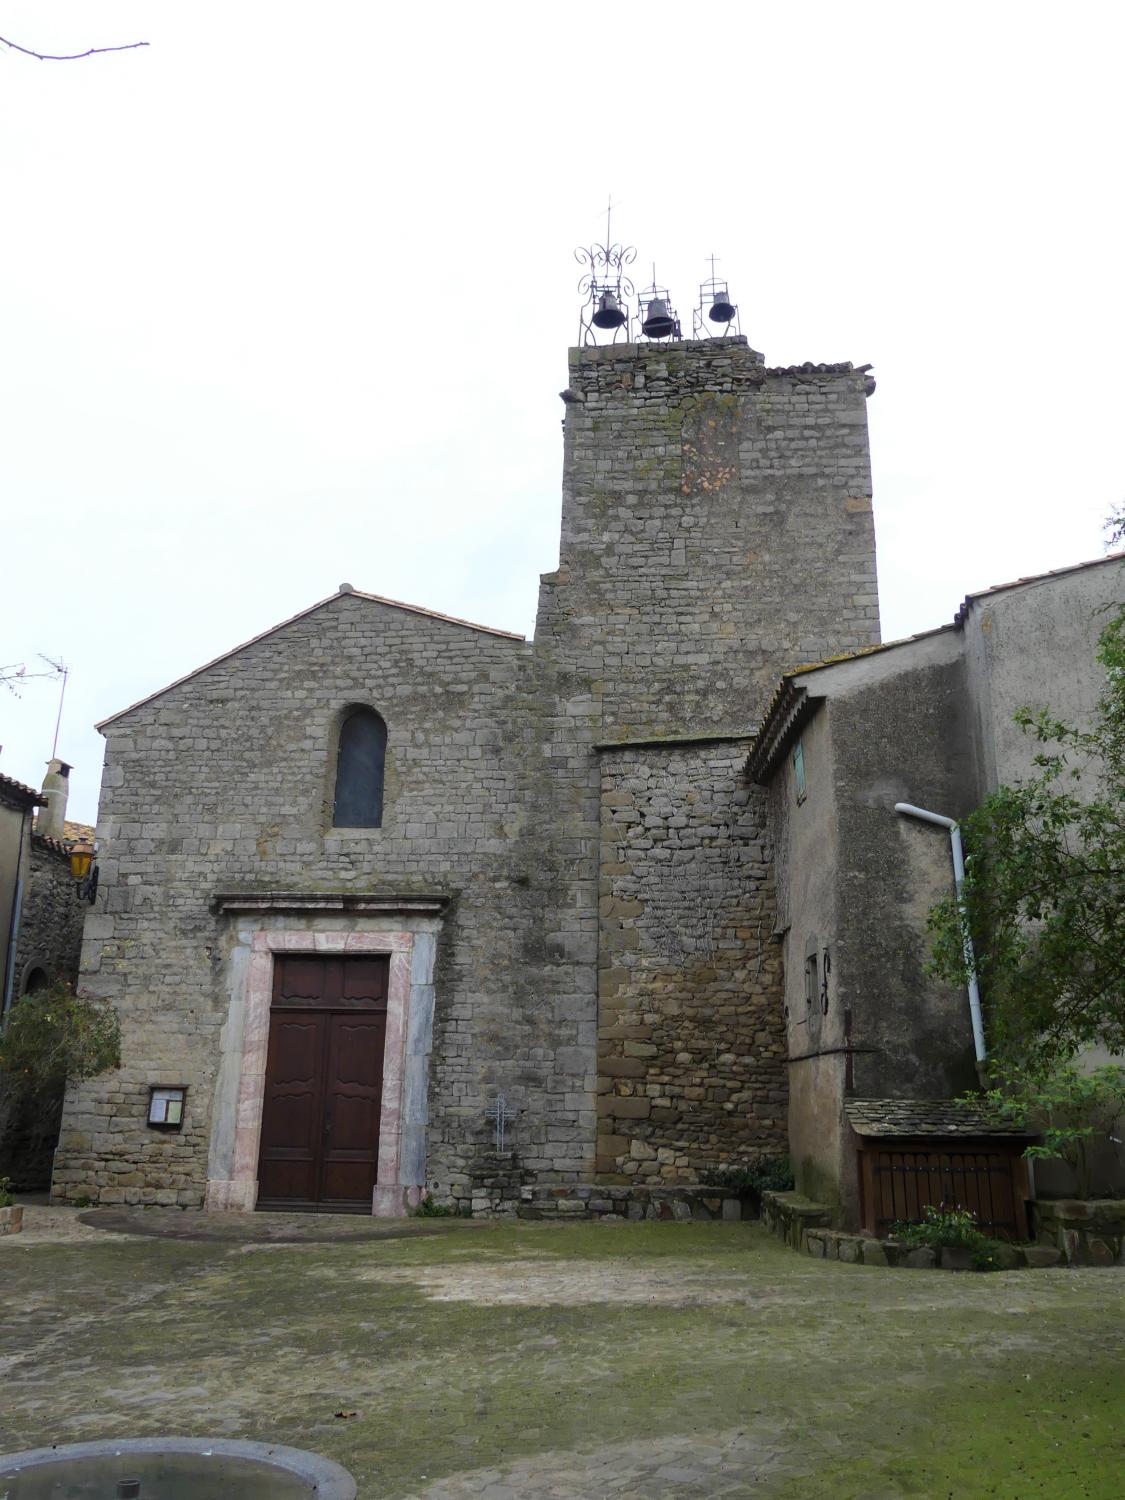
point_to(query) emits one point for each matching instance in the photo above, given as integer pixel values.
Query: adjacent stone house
(875, 1044)
(40, 918)
(378, 869)
(42, 928)
(17, 813)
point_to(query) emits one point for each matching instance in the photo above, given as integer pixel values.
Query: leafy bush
(955, 1228)
(1044, 893)
(6, 1199)
(54, 1035)
(771, 1174)
(1070, 1107)
(987, 1255)
(430, 1208)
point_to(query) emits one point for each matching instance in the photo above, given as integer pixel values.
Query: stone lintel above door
(360, 902)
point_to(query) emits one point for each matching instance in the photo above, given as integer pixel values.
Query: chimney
(56, 785)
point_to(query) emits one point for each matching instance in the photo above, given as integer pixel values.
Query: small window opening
(36, 980)
(825, 970)
(799, 770)
(359, 771)
(812, 981)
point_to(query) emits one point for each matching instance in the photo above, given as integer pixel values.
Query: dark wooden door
(324, 1084)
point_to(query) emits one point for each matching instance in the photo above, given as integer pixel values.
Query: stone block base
(1085, 1233)
(803, 1225)
(680, 1203)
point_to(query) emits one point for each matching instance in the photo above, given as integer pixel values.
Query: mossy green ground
(578, 1360)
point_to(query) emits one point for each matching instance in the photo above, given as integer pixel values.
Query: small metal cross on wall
(499, 1113)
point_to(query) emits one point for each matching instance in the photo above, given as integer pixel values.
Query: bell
(658, 323)
(610, 313)
(722, 310)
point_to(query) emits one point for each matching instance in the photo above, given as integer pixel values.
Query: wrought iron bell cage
(657, 317)
(716, 316)
(607, 290)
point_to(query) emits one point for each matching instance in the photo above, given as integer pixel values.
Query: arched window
(35, 980)
(359, 770)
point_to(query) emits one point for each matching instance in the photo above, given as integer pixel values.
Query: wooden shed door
(324, 1084)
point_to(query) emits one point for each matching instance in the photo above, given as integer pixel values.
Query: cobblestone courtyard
(512, 1360)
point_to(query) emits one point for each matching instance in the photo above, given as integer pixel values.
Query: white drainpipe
(910, 811)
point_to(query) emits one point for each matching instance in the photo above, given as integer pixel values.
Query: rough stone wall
(716, 530)
(224, 783)
(51, 922)
(691, 1046)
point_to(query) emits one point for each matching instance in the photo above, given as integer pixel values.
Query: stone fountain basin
(173, 1469)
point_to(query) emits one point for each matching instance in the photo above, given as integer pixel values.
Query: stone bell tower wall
(716, 530)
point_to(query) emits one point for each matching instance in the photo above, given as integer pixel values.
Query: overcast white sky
(287, 295)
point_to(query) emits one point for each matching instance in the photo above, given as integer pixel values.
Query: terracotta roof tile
(18, 790)
(55, 846)
(999, 588)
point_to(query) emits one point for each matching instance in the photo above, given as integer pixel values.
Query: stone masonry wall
(716, 530)
(224, 783)
(691, 1046)
(51, 921)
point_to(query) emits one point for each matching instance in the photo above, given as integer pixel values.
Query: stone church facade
(568, 898)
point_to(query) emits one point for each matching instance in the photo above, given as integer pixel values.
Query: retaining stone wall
(805, 1227)
(503, 1195)
(1085, 1233)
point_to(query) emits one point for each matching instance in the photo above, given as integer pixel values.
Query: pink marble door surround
(240, 1192)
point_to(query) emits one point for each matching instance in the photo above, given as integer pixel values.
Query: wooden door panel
(353, 1097)
(293, 1107)
(364, 978)
(299, 979)
(324, 1082)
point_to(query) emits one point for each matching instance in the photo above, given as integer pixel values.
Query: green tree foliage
(1044, 895)
(1071, 1108)
(53, 1036)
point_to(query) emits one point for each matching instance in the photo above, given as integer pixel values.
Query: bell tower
(716, 529)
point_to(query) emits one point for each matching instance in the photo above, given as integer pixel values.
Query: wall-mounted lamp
(84, 870)
(166, 1108)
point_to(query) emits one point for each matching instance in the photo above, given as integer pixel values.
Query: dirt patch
(262, 1228)
(549, 1282)
(46, 1225)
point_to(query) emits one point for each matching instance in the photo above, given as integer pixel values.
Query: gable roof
(344, 590)
(16, 792)
(792, 706)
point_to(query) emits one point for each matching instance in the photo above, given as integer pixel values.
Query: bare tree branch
(68, 56)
